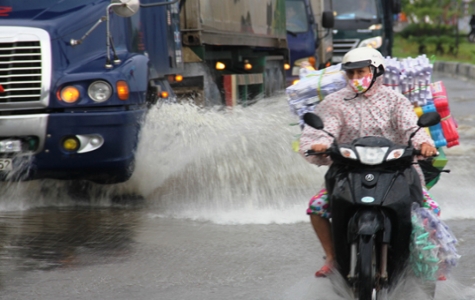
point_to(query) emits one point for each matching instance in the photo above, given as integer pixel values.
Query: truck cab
(303, 36)
(76, 81)
(363, 23)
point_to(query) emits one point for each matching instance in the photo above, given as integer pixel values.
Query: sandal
(324, 271)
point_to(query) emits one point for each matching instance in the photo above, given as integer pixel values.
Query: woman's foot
(324, 271)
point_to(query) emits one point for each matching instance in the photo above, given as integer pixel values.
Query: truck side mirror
(125, 8)
(328, 19)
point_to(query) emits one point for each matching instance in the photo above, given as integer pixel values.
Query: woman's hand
(319, 148)
(428, 150)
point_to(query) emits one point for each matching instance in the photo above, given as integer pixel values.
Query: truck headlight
(374, 43)
(376, 27)
(99, 91)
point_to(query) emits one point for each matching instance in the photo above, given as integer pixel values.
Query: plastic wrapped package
(313, 87)
(433, 245)
(411, 77)
(441, 103)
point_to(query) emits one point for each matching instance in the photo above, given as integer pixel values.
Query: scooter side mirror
(426, 120)
(429, 119)
(313, 120)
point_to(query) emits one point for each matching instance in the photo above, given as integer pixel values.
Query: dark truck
(363, 23)
(308, 34)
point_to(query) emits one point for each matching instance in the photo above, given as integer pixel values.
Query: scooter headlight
(371, 155)
(395, 154)
(348, 153)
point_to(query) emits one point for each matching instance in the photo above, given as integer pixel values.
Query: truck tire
(366, 269)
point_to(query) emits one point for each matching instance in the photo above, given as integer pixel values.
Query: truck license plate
(5, 164)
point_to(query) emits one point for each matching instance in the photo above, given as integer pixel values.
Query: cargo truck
(233, 51)
(309, 37)
(77, 77)
(363, 23)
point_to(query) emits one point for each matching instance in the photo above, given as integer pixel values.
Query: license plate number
(5, 164)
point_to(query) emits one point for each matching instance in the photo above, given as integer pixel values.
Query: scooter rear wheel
(366, 268)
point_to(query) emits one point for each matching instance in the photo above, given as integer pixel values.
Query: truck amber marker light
(69, 94)
(122, 90)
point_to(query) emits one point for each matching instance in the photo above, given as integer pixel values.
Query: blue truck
(78, 77)
(308, 36)
(76, 80)
(363, 23)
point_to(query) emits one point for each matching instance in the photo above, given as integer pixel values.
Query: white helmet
(363, 57)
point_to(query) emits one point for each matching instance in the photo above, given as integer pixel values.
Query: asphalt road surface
(221, 216)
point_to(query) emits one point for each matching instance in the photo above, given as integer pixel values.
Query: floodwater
(218, 213)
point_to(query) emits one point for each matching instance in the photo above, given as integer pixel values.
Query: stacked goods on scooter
(312, 88)
(412, 78)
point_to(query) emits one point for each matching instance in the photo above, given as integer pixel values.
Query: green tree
(434, 23)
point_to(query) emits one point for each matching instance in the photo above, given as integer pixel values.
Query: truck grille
(20, 71)
(340, 47)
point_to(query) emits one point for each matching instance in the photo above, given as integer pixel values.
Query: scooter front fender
(369, 222)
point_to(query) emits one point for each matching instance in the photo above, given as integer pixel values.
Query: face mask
(362, 84)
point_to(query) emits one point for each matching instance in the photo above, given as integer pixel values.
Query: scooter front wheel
(366, 269)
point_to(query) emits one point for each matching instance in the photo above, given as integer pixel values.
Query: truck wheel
(366, 269)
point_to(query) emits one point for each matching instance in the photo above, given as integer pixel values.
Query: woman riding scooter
(365, 107)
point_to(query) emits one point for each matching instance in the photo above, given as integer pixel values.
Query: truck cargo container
(233, 51)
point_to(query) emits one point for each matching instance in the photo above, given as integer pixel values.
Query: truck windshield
(355, 9)
(296, 16)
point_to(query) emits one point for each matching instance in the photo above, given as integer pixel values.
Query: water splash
(230, 166)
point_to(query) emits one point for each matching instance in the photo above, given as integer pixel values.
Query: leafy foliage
(433, 24)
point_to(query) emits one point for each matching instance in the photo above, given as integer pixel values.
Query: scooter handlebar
(418, 152)
(311, 152)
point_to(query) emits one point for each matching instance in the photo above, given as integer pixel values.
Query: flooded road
(222, 216)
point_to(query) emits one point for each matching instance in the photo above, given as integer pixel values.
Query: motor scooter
(372, 186)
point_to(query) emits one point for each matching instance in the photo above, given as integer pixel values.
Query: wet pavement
(190, 240)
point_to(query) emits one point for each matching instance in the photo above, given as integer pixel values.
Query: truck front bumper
(111, 162)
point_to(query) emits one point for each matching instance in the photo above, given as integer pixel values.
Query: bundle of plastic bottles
(432, 250)
(411, 77)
